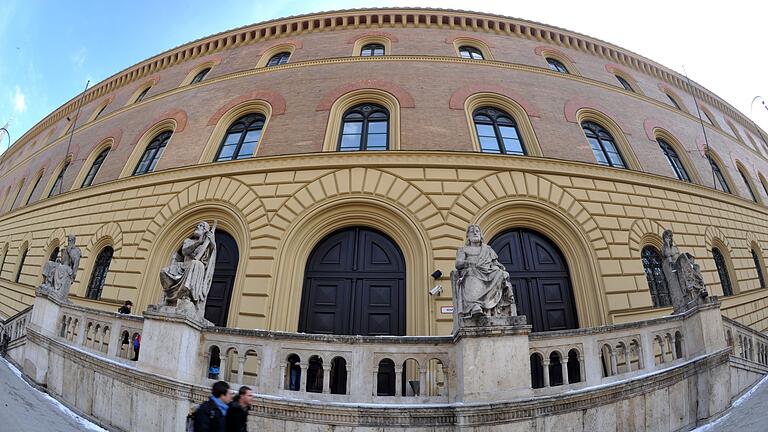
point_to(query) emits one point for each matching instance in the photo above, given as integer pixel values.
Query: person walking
(126, 308)
(237, 414)
(211, 415)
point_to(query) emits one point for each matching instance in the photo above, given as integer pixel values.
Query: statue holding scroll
(59, 275)
(481, 283)
(187, 280)
(683, 276)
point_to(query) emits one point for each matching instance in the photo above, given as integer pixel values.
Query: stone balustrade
(745, 342)
(333, 368)
(16, 326)
(110, 334)
(588, 357)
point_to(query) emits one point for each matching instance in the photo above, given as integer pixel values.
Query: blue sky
(49, 49)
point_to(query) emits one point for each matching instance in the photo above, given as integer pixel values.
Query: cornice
(393, 160)
(392, 58)
(386, 18)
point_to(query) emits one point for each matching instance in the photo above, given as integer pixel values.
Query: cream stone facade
(298, 190)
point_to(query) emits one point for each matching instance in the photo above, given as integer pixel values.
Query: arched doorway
(540, 278)
(354, 283)
(227, 256)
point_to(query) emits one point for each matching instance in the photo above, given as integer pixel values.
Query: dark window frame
(372, 49)
(59, 180)
(248, 123)
(278, 59)
(722, 271)
(95, 167)
(99, 273)
(674, 101)
(624, 83)
(557, 66)
(603, 137)
(142, 95)
(155, 149)
(200, 76)
(103, 107)
(22, 259)
(495, 116)
(674, 160)
(365, 111)
(719, 176)
(758, 268)
(657, 283)
(471, 53)
(748, 184)
(32, 192)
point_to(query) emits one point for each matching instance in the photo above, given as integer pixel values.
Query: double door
(539, 277)
(354, 284)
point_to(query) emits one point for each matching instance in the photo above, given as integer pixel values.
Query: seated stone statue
(187, 280)
(58, 275)
(480, 281)
(683, 276)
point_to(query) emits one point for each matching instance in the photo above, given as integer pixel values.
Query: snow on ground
(715, 425)
(86, 425)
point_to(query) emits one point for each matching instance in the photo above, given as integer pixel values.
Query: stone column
(282, 376)
(303, 382)
(663, 355)
(375, 381)
(423, 378)
(582, 369)
(399, 381)
(240, 367)
(545, 362)
(326, 379)
(628, 350)
(349, 379)
(564, 366)
(614, 363)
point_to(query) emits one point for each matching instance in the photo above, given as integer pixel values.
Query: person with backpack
(237, 414)
(211, 415)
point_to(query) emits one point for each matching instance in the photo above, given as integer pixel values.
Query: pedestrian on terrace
(237, 414)
(211, 414)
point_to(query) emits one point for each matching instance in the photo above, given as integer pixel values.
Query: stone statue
(481, 283)
(187, 279)
(58, 275)
(683, 276)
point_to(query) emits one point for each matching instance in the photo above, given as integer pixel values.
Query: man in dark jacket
(211, 414)
(126, 308)
(237, 414)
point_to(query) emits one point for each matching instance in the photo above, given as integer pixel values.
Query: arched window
(152, 154)
(241, 138)
(759, 268)
(557, 65)
(200, 76)
(364, 127)
(99, 274)
(763, 184)
(719, 176)
(142, 95)
(56, 189)
(657, 284)
(674, 101)
(279, 59)
(101, 110)
(372, 50)
(497, 132)
(54, 254)
(32, 191)
(95, 168)
(624, 83)
(22, 258)
(722, 271)
(470, 52)
(674, 160)
(603, 145)
(709, 117)
(749, 185)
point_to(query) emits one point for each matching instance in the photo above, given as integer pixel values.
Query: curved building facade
(409, 124)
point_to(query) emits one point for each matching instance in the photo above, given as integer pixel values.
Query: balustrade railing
(593, 356)
(110, 334)
(15, 326)
(745, 342)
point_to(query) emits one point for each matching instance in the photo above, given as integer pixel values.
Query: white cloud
(19, 101)
(78, 57)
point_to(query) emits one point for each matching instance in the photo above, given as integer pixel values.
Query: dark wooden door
(540, 279)
(354, 284)
(227, 256)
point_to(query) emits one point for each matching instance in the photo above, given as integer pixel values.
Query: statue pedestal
(44, 320)
(493, 361)
(704, 329)
(171, 345)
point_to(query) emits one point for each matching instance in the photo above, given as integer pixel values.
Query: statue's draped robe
(191, 275)
(484, 282)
